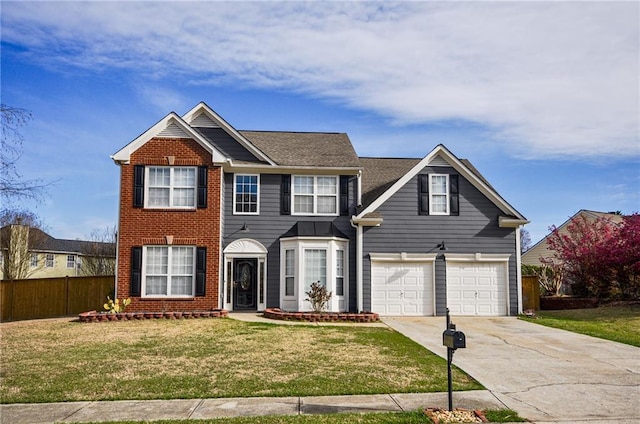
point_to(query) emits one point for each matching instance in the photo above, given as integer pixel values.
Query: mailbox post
(453, 340)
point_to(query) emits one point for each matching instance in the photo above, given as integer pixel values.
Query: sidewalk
(151, 410)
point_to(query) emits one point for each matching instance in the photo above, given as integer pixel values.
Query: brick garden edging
(275, 313)
(93, 316)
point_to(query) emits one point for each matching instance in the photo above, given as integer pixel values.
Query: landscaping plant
(113, 305)
(318, 296)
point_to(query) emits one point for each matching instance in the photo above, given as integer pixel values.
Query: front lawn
(60, 360)
(617, 323)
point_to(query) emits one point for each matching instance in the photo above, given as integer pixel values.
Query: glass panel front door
(244, 284)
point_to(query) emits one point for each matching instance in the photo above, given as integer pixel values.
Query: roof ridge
(294, 132)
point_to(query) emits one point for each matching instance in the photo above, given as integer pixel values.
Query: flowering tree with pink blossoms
(600, 257)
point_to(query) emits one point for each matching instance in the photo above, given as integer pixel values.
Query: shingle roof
(305, 149)
(379, 174)
(43, 242)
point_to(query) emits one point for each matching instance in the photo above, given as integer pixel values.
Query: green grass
(416, 417)
(60, 360)
(617, 323)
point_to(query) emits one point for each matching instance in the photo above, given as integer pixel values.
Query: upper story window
(246, 194)
(171, 187)
(71, 261)
(49, 260)
(315, 195)
(439, 194)
(34, 260)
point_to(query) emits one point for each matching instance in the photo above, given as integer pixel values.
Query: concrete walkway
(152, 410)
(545, 374)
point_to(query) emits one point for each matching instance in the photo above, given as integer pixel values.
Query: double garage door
(406, 288)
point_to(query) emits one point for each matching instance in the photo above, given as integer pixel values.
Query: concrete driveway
(544, 374)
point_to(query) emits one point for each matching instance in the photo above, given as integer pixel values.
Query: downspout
(359, 300)
(519, 268)
(115, 288)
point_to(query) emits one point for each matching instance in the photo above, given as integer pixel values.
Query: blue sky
(543, 98)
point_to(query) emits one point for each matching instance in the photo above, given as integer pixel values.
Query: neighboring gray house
(303, 207)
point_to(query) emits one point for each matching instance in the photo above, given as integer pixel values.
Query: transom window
(169, 271)
(246, 194)
(171, 187)
(439, 194)
(314, 195)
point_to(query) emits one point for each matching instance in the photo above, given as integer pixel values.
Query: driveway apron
(543, 373)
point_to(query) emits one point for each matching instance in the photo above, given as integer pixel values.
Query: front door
(244, 283)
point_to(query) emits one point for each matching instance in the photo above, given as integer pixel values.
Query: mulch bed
(442, 416)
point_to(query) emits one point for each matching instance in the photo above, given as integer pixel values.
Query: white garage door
(402, 288)
(477, 288)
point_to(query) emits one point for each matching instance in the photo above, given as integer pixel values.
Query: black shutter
(202, 186)
(138, 186)
(201, 271)
(423, 194)
(454, 201)
(344, 195)
(135, 286)
(285, 195)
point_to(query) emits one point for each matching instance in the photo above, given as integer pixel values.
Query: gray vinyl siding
(269, 226)
(475, 230)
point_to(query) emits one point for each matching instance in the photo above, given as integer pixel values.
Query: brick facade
(194, 227)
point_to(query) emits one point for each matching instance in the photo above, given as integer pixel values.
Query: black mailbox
(454, 339)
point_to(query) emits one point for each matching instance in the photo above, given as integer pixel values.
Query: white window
(71, 261)
(339, 272)
(169, 271)
(438, 194)
(315, 195)
(315, 268)
(246, 194)
(308, 260)
(49, 260)
(289, 272)
(34, 260)
(171, 187)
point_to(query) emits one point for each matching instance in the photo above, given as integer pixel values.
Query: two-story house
(213, 217)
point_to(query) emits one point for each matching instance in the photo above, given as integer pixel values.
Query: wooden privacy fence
(53, 297)
(530, 293)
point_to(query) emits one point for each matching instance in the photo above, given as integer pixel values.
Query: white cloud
(549, 79)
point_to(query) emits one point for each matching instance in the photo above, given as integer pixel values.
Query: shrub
(318, 296)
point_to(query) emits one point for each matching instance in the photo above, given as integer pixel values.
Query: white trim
(171, 187)
(477, 257)
(203, 108)
(245, 248)
(519, 269)
(446, 194)
(256, 168)
(315, 195)
(508, 222)
(359, 283)
(169, 273)
(300, 246)
(257, 212)
(124, 155)
(458, 166)
(403, 257)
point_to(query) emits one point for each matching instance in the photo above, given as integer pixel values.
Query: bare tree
(12, 184)
(20, 231)
(99, 252)
(525, 240)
